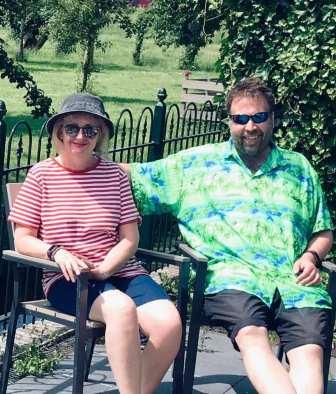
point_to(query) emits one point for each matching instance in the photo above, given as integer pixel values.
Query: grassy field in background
(118, 81)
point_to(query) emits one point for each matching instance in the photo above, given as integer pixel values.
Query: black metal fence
(155, 134)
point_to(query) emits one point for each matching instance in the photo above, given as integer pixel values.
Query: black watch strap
(318, 261)
(52, 251)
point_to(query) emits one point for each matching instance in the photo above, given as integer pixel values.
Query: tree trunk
(21, 49)
(87, 63)
(142, 27)
(187, 60)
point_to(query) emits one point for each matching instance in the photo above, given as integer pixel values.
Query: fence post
(157, 135)
(3, 111)
(158, 128)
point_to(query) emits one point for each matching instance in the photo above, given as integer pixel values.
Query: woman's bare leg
(122, 342)
(160, 321)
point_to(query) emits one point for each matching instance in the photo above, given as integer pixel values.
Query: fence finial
(162, 94)
(3, 109)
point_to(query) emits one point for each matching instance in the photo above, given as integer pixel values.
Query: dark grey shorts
(141, 288)
(233, 310)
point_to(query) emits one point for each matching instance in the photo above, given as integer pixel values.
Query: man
(258, 213)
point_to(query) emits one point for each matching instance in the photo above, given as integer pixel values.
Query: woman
(76, 209)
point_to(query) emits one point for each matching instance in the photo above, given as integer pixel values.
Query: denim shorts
(141, 288)
(234, 309)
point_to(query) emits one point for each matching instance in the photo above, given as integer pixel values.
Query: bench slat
(43, 307)
(196, 98)
(199, 91)
(203, 85)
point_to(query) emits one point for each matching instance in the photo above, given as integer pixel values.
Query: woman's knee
(114, 306)
(171, 325)
(160, 318)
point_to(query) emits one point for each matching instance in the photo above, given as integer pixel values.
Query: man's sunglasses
(259, 117)
(88, 131)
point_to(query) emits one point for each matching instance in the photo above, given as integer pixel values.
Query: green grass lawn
(120, 83)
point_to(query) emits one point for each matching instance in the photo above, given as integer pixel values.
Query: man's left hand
(306, 271)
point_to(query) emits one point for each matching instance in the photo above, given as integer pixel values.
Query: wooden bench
(198, 94)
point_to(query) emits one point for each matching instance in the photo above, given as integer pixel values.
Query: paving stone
(219, 370)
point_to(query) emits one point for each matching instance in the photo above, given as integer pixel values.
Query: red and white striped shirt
(79, 210)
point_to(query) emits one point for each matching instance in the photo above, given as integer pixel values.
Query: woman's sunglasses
(88, 131)
(259, 117)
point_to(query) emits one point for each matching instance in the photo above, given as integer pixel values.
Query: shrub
(34, 361)
(291, 44)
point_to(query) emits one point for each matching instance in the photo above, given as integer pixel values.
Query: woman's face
(79, 133)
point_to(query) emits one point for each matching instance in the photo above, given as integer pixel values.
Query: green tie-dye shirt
(251, 226)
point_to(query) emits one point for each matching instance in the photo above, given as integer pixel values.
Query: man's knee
(306, 353)
(251, 336)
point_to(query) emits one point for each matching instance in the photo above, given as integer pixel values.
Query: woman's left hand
(101, 272)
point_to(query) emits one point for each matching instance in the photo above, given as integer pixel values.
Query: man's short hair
(250, 87)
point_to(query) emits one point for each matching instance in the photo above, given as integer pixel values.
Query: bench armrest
(192, 253)
(163, 257)
(329, 266)
(18, 258)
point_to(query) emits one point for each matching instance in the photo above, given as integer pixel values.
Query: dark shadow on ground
(44, 65)
(231, 380)
(34, 123)
(51, 65)
(127, 100)
(110, 67)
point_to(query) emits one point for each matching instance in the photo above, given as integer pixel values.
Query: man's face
(252, 140)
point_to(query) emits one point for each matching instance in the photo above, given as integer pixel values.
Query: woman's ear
(59, 133)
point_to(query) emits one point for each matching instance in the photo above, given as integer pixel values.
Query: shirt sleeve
(27, 206)
(157, 186)
(322, 218)
(128, 212)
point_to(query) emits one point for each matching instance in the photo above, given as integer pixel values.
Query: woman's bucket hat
(81, 102)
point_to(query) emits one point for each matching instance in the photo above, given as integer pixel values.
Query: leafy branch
(16, 74)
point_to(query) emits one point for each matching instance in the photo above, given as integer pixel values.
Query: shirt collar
(274, 159)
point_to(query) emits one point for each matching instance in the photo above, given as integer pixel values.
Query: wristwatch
(52, 251)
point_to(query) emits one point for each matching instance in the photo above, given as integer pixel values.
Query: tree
(140, 27)
(79, 23)
(24, 18)
(187, 23)
(291, 44)
(17, 75)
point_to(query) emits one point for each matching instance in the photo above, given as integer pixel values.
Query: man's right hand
(306, 271)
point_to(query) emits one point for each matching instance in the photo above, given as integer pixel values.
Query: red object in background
(143, 3)
(140, 3)
(187, 74)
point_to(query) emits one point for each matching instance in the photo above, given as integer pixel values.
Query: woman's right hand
(70, 264)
